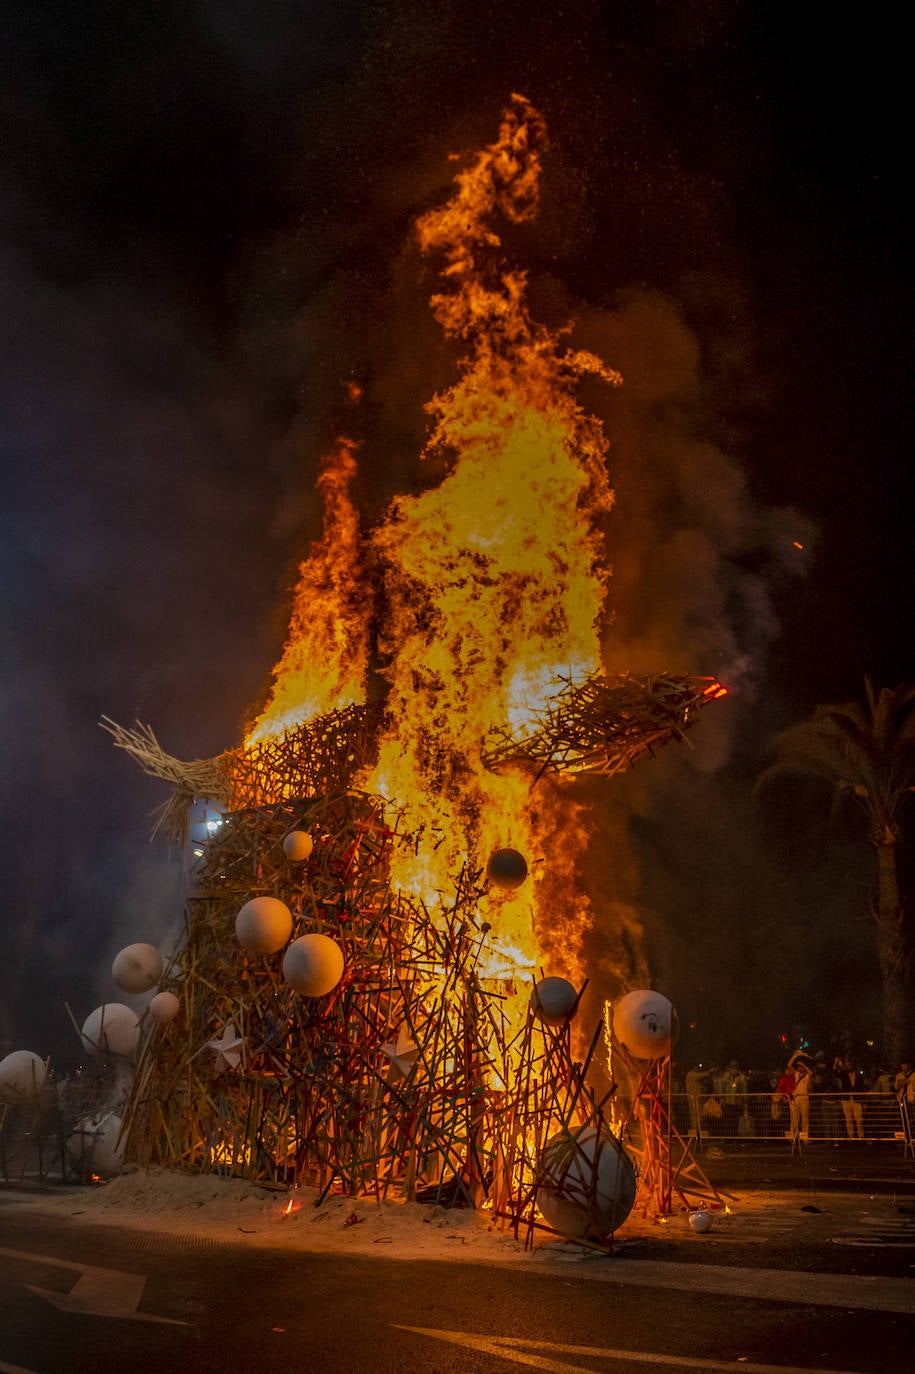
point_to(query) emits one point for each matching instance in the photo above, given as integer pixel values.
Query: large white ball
(22, 1076)
(588, 1184)
(111, 1029)
(507, 868)
(95, 1145)
(645, 1023)
(313, 965)
(137, 968)
(297, 846)
(263, 925)
(164, 1007)
(553, 1000)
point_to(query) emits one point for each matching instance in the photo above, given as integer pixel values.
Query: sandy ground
(237, 1211)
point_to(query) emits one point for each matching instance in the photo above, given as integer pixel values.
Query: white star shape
(229, 1049)
(403, 1053)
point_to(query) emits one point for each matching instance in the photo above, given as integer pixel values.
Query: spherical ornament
(22, 1076)
(111, 1029)
(137, 968)
(588, 1184)
(94, 1145)
(297, 846)
(701, 1220)
(164, 1007)
(553, 1000)
(646, 1024)
(263, 925)
(507, 869)
(313, 965)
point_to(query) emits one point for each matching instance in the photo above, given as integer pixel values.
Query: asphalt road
(100, 1299)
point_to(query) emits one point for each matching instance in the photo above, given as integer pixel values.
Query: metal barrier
(819, 1116)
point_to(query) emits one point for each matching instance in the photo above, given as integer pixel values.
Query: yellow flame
(324, 663)
(495, 580)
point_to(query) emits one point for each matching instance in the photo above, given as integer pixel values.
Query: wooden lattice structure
(666, 1164)
(411, 1075)
(604, 724)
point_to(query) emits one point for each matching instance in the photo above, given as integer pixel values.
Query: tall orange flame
(494, 579)
(325, 661)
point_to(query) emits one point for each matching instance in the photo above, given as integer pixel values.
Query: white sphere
(507, 868)
(263, 925)
(164, 1007)
(297, 846)
(137, 968)
(94, 1146)
(22, 1076)
(700, 1221)
(313, 965)
(553, 1000)
(588, 1184)
(645, 1023)
(111, 1029)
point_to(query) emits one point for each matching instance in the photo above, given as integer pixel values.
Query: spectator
(851, 1084)
(800, 1098)
(781, 1098)
(731, 1089)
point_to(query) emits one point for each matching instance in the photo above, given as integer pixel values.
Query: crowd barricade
(824, 1116)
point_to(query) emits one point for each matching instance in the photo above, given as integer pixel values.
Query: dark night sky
(206, 213)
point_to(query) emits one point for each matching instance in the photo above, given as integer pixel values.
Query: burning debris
(435, 831)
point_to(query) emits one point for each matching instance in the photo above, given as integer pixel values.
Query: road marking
(97, 1292)
(868, 1293)
(509, 1348)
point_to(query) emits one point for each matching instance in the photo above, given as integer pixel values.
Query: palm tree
(866, 752)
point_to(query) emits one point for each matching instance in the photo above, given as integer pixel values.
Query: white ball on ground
(23, 1074)
(588, 1184)
(553, 1000)
(164, 1007)
(263, 925)
(111, 1029)
(507, 868)
(137, 968)
(297, 846)
(700, 1220)
(313, 965)
(645, 1023)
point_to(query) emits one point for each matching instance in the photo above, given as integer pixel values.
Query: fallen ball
(700, 1221)
(588, 1184)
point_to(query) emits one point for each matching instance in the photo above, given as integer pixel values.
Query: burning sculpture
(369, 919)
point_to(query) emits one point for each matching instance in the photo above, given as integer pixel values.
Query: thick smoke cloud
(206, 217)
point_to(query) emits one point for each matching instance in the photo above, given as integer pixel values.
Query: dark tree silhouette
(866, 752)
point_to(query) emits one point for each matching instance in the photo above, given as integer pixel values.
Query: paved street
(800, 1291)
